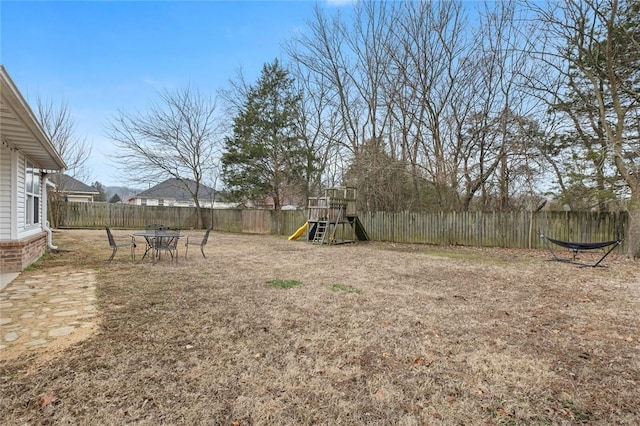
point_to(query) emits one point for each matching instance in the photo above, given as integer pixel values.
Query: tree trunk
(633, 232)
(199, 213)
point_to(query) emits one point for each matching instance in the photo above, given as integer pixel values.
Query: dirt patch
(424, 335)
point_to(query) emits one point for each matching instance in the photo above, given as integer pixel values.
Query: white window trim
(33, 196)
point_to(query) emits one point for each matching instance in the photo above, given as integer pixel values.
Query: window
(32, 199)
(143, 201)
(161, 202)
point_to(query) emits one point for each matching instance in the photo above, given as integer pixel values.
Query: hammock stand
(576, 247)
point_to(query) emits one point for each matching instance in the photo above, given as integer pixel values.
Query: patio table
(159, 240)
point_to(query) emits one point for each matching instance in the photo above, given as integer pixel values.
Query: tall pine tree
(265, 155)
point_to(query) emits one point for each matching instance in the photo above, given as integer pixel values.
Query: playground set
(332, 218)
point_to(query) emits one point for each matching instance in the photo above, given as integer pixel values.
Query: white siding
(79, 198)
(24, 230)
(5, 193)
(20, 202)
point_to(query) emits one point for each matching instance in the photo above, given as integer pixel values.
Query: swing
(576, 247)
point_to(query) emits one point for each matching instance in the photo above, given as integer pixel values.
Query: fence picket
(482, 229)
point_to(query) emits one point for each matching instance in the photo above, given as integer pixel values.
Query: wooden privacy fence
(482, 229)
(126, 216)
(97, 215)
(493, 229)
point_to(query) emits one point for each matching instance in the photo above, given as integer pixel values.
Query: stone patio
(37, 311)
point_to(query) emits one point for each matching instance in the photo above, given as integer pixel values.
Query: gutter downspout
(45, 211)
(50, 237)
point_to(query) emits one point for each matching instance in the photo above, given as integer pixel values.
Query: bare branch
(179, 137)
(60, 127)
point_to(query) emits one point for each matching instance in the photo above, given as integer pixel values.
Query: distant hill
(123, 192)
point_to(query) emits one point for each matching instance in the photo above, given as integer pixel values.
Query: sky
(99, 57)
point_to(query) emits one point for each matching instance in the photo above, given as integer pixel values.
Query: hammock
(576, 247)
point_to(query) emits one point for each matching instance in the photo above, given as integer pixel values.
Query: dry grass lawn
(375, 334)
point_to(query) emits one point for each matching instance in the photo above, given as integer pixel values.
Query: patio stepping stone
(11, 336)
(41, 308)
(62, 331)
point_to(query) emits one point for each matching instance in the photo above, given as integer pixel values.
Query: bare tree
(590, 48)
(354, 62)
(501, 127)
(60, 127)
(320, 126)
(324, 51)
(74, 149)
(424, 88)
(428, 60)
(178, 137)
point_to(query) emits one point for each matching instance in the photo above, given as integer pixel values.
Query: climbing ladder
(324, 226)
(321, 231)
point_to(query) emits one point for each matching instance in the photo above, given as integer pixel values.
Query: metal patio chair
(197, 241)
(166, 241)
(117, 242)
(149, 239)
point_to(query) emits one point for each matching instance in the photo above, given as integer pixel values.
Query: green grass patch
(452, 255)
(579, 415)
(284, 283)
(38, 263)
(345, 288)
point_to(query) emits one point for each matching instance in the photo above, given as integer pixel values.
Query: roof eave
(12, 96)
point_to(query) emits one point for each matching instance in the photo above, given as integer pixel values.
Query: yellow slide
(299, 232)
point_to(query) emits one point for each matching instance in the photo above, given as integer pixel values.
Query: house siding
(78, 198)
(169, 202)
(25, 230)
(22, 138)
(5, 193)
(20, 245)
(20, 201)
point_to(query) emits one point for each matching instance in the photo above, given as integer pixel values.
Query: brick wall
(17, 255)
